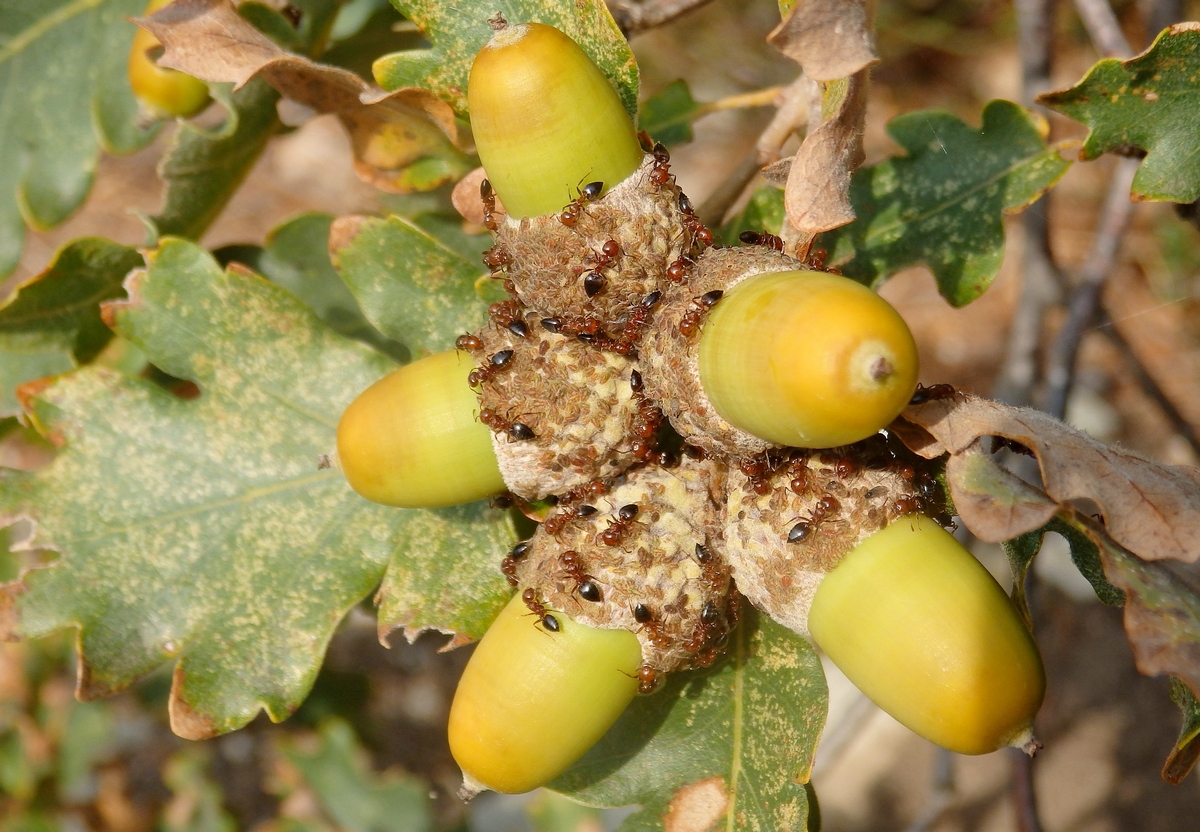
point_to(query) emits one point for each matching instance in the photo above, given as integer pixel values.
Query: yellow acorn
(806, 359)
(917, 623)
(413, 439)
(538, 692)
(546, 120)
(161, 92)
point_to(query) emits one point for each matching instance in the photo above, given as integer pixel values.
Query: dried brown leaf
(817, 195)
(1153, 510)
(466, 199)
(390, 132)
(830, 39)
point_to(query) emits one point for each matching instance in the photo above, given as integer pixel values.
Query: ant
(470, 343)
(709, 565)
(509, 565)
(798, 471)
(757, 471)
(909, 504)
(584, 583)
(593, 284)
(648, 679)
(517, 431)
(927, 394)
(496, 258)
(504, 313)
(489, 204)
(617, 528)
(587, 193)
(660, 174)
(595, 488)
(690, 321)
(761, 238)
(536, 607)
(496, 362)
(518, 327)
(677, 272)
(824, 507)
(639, 316)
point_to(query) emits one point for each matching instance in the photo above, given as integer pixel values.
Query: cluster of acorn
(703, 423)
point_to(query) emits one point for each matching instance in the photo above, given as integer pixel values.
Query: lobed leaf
(668, 114)
(64, 94)
(942, 203)
(1148, 104)
(52, 321)
(1183, 756)
(458, 32)
(203, 531)
(830, 39)
(410, 285)
(730, 746)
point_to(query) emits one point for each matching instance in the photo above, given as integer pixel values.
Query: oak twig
(1103, 28)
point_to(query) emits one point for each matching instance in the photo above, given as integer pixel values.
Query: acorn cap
(807, 359)
(546, 120)
(561, 412)
(652, 550)
(780, 542)
(561, 269)
(412, 438)
(669, 349)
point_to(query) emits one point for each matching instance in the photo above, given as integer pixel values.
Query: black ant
(518, 327)
(690, 321)
(824, 507)
(496, 362)
(489, 204)
(585, 584)
(617, 528)
(761, 238)
(927, 394)
(587, 193)
(536, 607)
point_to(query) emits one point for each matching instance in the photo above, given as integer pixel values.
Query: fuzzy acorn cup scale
(707, 423)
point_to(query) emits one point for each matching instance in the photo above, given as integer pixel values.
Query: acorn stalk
(917, 623)
(806, 359)
(538, 692)
(546, 120)
(413, 439)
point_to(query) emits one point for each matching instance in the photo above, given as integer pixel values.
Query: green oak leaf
(64, 94)
(203, 531)
(410, 284)
(458, 31)
(747, 728)
(942, 204)
(355, 798)
(296, 256)
(1183, 756)
(1148, 104)
(668, 114)
(52, 321)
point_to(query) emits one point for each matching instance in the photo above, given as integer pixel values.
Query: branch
(1103, 28)
(1084, 302)
(633, 17)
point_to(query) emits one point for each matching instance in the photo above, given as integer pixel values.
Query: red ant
(509, 565)
(536, 607)
(617, 528)
(586, 194)
(677, 272)
(517, 431)
(496, 362)
(595, 488)
(710, 566)
(648, 679)
(505, 312)
(927, 394)
(824, 507)
(489, 204)
(690, 321)
(584, 583)
(761, 238)
(496, 258)
(639, 316)
(470, 343)
(757, 471)
(660, 174)
(799, 477)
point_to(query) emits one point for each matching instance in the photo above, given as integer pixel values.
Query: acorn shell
(577, 402)
(669, 350)
(780, 543)
(550, 260)
(654, 562)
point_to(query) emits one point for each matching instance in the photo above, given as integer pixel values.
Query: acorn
(561, 413)
(838, 545)
(593, 223)
(538, 692)
(161, 93)
(757, 352)
(545, 119)
(643, 553)
(413, 440)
